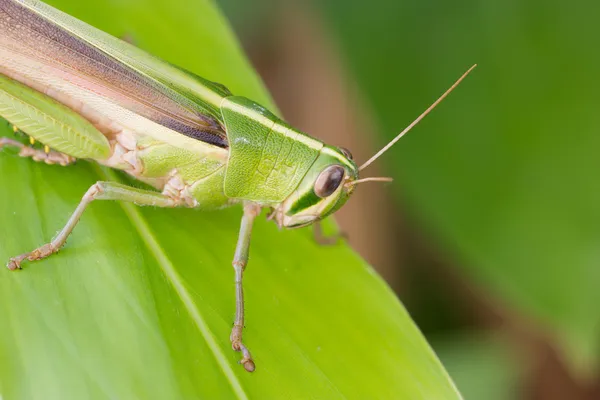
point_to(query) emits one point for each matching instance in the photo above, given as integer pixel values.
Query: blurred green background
(490, 233)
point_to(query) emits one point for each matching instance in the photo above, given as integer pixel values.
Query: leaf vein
(178, 285)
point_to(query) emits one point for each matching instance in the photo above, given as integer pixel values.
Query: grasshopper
(87, 95)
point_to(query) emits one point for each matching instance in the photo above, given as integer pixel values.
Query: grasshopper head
(332, 179)
(324, 189)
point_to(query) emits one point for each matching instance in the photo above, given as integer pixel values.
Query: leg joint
(93, 192)
(237, 264)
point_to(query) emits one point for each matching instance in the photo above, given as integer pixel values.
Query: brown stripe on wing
(27, 33)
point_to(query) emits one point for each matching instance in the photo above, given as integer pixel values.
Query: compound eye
(329, 180)
(346, 153)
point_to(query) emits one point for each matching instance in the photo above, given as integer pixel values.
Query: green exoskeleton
(84, 94)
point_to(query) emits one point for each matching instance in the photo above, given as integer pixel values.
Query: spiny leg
(46, 155)
(240, 259)
(98, 191)
(326, 240)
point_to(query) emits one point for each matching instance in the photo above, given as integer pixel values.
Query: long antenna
(371, 179)
(416, 121)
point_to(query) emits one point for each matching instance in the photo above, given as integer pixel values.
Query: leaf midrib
(146, 234)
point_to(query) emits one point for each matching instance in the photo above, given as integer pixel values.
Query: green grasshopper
(84, 94)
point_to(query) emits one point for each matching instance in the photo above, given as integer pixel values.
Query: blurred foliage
(504, 173)
(481, 365)
(140, 302)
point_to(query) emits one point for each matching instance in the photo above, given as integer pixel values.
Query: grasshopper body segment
(267, 158)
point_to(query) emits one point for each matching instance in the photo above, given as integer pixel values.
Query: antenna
(416, 121)
(371, 179)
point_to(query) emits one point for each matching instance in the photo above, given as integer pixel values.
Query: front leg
(240, 259)
(98, 191)
(326, 240)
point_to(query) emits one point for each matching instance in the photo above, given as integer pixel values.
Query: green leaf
(505, 171)
(139, 304)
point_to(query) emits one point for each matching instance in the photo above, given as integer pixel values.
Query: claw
(14, 263)
(237, 345)
(248, 365)
(246, 360)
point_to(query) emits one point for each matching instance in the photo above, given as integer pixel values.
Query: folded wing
(101, 76)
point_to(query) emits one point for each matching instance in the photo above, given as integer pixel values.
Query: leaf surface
(139, 304)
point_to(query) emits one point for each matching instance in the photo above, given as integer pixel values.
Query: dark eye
(329, 180)
(346, 153)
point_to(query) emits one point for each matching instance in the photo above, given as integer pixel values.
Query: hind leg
(41, 155)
